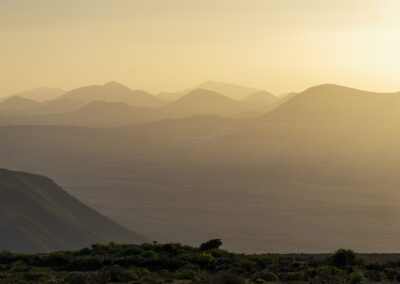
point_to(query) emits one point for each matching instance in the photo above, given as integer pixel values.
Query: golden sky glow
(277, 45)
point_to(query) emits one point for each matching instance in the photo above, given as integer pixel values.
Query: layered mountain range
(114, 104)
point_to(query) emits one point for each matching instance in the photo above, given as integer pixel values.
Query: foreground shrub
(228, 278)
(185, 274)
(327, 274)
(357, 278)
(211, 244)
(76, 278)
(266, 276)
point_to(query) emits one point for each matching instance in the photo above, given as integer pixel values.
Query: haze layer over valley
(261, 172)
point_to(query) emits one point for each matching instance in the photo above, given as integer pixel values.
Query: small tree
(345, 258)
(211, 244)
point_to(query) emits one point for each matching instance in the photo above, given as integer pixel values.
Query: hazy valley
(322, 162)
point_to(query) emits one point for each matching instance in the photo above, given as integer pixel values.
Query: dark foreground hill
(208, 264)
(36, 215)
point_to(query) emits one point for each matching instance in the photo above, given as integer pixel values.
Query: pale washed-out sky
(277, 45)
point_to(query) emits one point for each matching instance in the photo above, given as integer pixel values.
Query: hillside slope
(36, 215)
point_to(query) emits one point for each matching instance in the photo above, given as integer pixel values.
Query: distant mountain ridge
(36, 215)
(114, 104)
(97, 114)
(204, 102)
(17, 105)
(232, 91)
(38, 94)
(337, 105)
(114, 92)
(61, 105)
(260, 98)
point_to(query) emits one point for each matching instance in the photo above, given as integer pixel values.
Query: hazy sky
(277, 45)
